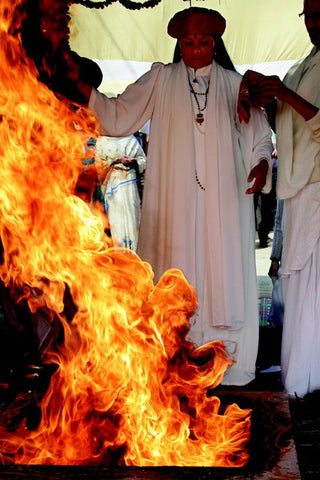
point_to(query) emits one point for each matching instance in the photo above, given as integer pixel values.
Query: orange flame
(128, 384)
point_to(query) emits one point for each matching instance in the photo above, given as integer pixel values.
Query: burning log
(128, 388)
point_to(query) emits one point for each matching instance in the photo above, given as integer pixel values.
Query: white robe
(120, 187)
(209, 235)
(299, 184)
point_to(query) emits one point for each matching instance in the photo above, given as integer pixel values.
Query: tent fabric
(265, 35)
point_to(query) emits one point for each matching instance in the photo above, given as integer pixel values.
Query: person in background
(203, 165)
(277, 305)
(112, 178)
(297, 123)
(267, 204)
(121, 186)
(269, 356)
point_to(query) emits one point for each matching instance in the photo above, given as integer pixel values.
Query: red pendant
(199, 118)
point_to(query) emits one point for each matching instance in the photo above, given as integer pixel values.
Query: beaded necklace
(199, 116)
(198, 181)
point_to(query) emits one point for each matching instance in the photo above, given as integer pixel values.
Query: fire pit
(272, 451)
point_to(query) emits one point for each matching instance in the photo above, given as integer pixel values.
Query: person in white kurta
(298, 142)
(196, 215)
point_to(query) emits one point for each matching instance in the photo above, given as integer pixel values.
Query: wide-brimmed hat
(196, 20)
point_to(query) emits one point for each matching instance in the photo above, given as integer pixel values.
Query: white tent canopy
(264, 35)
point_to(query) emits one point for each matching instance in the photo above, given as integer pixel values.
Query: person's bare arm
(298, 103)
(265, 89)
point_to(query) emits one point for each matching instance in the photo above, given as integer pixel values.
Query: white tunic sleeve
(127, 113)
(256, 144)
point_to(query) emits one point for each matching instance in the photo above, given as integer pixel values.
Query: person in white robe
(298, 142)
(121, 187)
(203, 165)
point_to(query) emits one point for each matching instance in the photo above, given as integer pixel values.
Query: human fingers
(259, 179)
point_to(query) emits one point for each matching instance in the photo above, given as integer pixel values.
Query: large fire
(128, 385)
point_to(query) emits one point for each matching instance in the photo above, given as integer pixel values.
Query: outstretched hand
(259, 175)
